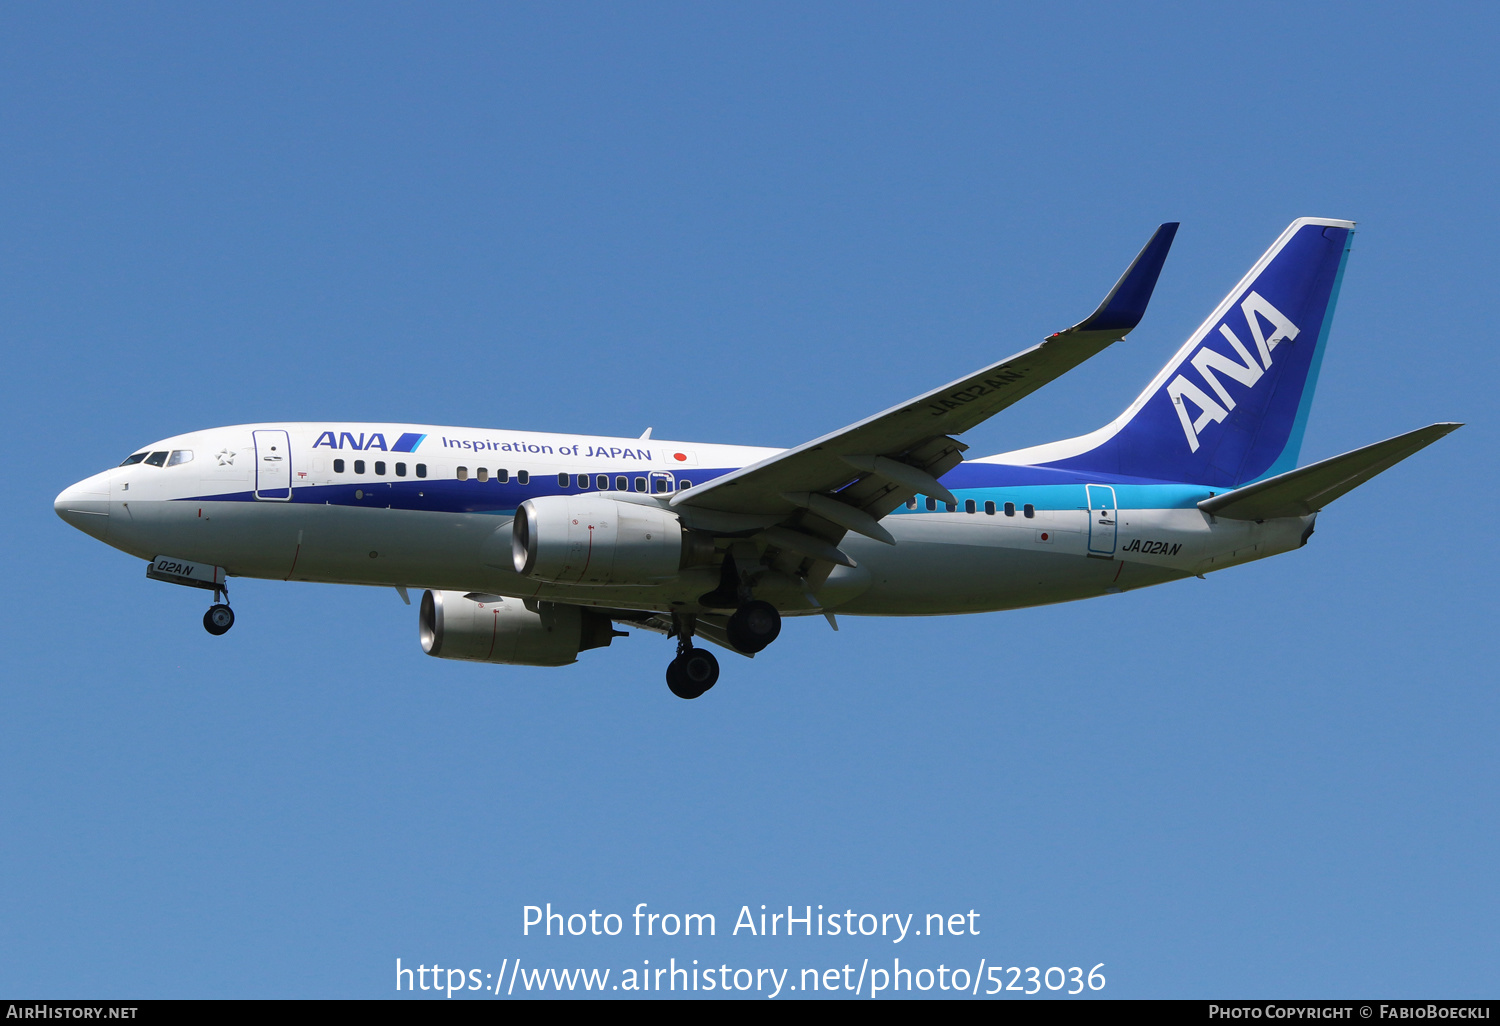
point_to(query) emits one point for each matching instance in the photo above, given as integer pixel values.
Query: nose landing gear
(218, 619)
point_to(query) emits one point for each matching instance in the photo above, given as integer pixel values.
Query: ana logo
(408, 442)
(1247, 371)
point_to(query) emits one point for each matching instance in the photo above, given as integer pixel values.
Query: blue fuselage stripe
(1043, 488)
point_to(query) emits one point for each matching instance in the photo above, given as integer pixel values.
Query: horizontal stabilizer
(1300, 492)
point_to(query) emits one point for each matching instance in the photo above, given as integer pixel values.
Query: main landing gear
(753, 626)
(695, 670)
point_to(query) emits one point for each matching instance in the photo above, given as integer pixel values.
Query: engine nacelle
(592, 540)
(492, 629)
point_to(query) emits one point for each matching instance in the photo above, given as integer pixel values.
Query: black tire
(218, 619)
(700, 669)
(677, 683)
(754, 626)
(692, 673)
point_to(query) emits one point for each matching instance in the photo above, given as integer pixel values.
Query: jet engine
(494, 629)
(593, 540)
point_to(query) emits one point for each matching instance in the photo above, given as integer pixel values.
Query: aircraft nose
(85, 505)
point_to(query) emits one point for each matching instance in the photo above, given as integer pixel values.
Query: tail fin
(1230, 407)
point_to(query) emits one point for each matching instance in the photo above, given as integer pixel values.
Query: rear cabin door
(1104, 520)
(273, 465)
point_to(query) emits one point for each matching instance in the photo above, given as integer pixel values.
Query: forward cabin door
(273, 465)
(1104, 520)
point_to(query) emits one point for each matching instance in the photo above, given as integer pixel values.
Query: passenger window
(931, 504)
(661, 485)
(401, 470)
(911, 503)
(622, 484)
(562, 479)
(989, 507)
(951, 506)
(502, 476)
(1010, 509)
(131, 461)
(421, 470)
(359, 466)
(483, 474)
(684, 484)
(1029, 510)
(968, 505)
(463, 473)
(338, 466)
(640, 484)
(157, 459)
(583, 480)
(180, 456)
(380, 467)
(523, 477)
(602, 482)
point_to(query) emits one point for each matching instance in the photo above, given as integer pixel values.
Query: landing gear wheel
(218, 619)
(754, 626)
(692, 673)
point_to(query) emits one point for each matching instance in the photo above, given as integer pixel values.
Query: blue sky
(747, 224)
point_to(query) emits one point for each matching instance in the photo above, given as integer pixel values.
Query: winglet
(1126, 303)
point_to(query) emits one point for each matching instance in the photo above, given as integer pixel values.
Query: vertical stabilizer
(1231, 405)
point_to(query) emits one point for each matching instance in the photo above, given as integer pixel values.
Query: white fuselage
(450, 529)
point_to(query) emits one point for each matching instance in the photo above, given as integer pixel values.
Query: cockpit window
(156, 459)
(131, 461)
(180, 456)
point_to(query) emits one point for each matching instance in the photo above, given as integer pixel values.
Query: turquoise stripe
(1069, 497)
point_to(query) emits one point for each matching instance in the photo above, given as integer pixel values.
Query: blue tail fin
(1231, 405)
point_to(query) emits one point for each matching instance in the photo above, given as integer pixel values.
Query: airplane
(532, 547)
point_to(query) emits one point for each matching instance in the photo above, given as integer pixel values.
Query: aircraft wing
(856, 475)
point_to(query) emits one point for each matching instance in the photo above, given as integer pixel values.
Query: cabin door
(273, 465)
(1104, 520)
